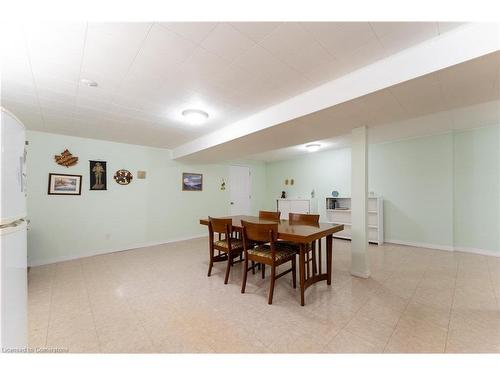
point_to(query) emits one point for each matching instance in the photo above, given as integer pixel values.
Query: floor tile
(159, 300)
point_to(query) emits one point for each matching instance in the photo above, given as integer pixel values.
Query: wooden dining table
(302, 235)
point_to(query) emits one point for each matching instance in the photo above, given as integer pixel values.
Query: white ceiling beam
(462, 44)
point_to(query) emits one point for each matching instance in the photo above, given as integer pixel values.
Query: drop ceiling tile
(58, 106)
(123, 34)
(256, 30)
(364, 55)
(203, 66)
(140, 85)
(194, 31)
(14, 88)
(483, 114)
(327, 72)
(477, 70)
(175, 89)
(16, 67)
(49, 113)
(110, 48)
(260, 62)
(340, 38)
(234, 80)
(96, 93)
(162, 52)
(227, 42)
(405, 35)
(463, 94)
(381, 107)
(56, 49)
(294, 45)
(420, 96)
(444, 27)
(382, 29)
(55, 41)
(21, 105)
(56, 85)
(84, 103)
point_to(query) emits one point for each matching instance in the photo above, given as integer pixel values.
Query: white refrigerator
(13, 259)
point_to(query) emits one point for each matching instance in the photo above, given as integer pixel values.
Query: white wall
(154, 210)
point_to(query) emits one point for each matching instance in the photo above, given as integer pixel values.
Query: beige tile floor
(159, 300)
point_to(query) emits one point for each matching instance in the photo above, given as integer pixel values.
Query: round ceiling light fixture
(313, 147)
(89, 82)
(195, 116)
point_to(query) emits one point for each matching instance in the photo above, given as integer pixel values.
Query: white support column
(360, 265)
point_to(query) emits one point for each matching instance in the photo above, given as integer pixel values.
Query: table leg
(329, 240)
(302, 271)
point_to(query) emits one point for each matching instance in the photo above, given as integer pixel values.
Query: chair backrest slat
(259, 232)
(216, 225)
(270, 215)
(303, 219)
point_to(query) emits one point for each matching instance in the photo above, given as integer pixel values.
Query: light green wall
(415, 178)
(147, 211)
(477, 188)
(441, 190)
(324, 172)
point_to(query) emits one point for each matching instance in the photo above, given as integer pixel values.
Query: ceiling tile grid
(147, 73)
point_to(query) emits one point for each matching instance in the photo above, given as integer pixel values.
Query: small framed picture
(192, 182)
(97, 175)
(65, 184)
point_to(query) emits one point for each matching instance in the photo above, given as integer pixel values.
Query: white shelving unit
(340, 213)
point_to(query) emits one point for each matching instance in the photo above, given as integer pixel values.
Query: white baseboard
(41, 262)
(445, 247)
(491, 253)
(420, 244)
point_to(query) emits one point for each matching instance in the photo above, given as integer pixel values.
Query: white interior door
(239, 190)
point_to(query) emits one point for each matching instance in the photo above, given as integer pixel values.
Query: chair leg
(245, 271)
(294, 272)
(315, 270)
(211, 262)
(271, 287)
(228, 267)
(253, 267)
(263, 271)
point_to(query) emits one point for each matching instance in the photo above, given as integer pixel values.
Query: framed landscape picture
(192, 182)
(64, 184)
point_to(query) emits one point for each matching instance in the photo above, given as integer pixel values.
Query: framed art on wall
(192, 181)
(98, 179)
(64, 184)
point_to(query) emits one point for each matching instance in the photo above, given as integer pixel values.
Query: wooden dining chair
(265, 252)
(270, 215)
(304, 219)
(227, 246)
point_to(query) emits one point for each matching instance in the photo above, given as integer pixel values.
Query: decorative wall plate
(123, 177)
(66, 159)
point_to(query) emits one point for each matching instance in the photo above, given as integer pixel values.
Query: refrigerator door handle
(14, 224)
